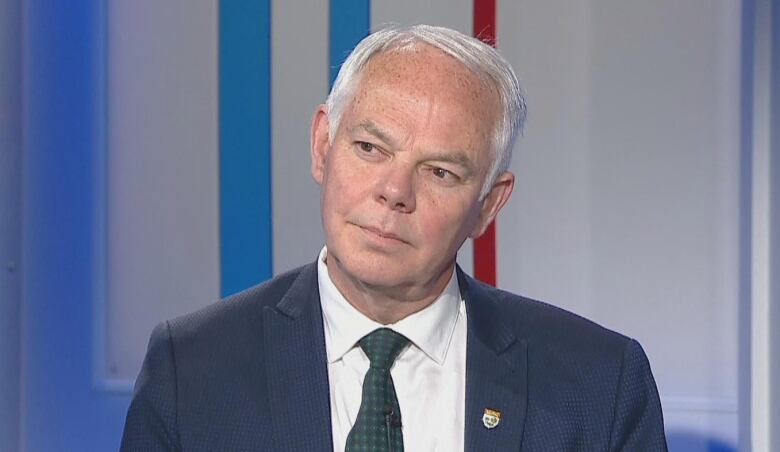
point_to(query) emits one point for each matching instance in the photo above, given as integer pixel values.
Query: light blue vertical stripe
(245, 143)
(350, 21)
(63, 71)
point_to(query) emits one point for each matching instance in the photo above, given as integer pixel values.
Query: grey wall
(162, 234)
(626, 207)
(10, 171)
(299, 82)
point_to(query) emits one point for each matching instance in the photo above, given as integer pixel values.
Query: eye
(441, 173)
(369, 151)
(368, 148)
(445, 176)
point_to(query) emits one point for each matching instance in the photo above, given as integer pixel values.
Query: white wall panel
(627, 201)
(544, 232)
(299, 83)
(162, 172)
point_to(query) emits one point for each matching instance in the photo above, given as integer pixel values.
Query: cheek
(451, 217)
(343, 188)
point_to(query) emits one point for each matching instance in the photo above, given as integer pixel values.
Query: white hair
(481, 59)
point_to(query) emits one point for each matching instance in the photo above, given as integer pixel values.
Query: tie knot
(382, 346)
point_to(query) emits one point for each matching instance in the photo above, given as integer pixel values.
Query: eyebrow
(370, 127)
(456, 157)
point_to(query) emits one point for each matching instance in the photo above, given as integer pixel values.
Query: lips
(378, 232)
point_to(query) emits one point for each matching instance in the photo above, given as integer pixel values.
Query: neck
(387, 305)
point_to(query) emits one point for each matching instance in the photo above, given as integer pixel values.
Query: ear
(494, 201)
(320, 142)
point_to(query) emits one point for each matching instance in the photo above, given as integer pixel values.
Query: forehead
(439, 90)
(423, 69)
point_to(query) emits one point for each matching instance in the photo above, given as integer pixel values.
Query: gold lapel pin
(491, 418)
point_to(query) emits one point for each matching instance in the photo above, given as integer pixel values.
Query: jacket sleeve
(151, 423)
(637, 424)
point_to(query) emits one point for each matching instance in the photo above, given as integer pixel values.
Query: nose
(395, 189)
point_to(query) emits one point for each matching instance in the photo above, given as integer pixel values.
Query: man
(383, 344)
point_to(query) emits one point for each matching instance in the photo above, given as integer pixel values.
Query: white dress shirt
(429, 374)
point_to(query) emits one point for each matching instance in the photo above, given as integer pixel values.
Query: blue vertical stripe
(64, 122)
(245, 143)
(350, 21)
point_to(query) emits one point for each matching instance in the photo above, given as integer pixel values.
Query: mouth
(382, 234)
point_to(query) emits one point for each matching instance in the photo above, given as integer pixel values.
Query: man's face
(401, 178)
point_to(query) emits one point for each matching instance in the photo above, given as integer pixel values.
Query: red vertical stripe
(485, 21)
(485, 246)
(485, 256)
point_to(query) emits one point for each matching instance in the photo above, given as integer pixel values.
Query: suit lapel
(496, 370)
(496, 374)
(297, 368)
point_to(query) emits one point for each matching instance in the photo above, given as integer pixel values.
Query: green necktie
(378, 424)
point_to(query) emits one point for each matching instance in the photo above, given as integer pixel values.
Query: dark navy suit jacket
(250, 374)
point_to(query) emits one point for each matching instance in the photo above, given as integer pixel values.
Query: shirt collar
(430, 329)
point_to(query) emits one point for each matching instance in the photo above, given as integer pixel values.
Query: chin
(376, 273)
(372, 269)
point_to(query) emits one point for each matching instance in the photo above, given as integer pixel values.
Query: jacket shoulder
(544, 324)
(229, 314)
(211, 358)
(588, 386)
